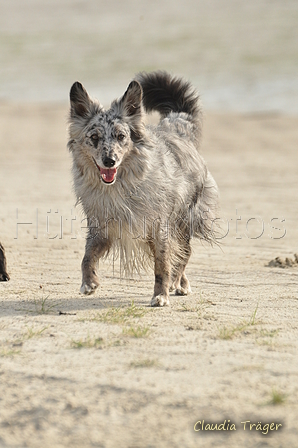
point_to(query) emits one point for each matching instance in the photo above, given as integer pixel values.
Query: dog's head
(105, 137)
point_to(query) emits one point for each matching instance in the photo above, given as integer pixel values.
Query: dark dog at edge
(4, 277)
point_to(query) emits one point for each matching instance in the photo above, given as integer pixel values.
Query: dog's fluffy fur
(4, 277)
(145, 190)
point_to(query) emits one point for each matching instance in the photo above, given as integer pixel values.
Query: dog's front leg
(95, 248)
(162, 270)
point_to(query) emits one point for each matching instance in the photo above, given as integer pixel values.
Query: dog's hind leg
(4, 277)
(95, 249)
(180, 283)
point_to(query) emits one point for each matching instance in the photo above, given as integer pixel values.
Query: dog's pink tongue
(108, 174)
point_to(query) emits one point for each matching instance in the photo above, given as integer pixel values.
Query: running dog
(146, 190)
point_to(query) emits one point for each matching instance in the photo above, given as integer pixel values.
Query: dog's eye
(120, 137)
(94, 137)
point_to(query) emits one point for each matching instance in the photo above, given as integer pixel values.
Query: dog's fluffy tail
(165, 93)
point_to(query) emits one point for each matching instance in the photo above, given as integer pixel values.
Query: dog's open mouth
(108, 175)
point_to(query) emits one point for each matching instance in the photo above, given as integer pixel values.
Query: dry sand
(72, 371)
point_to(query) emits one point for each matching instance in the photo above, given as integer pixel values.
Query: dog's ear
(130, 108)
(131, 101)
(80, 101)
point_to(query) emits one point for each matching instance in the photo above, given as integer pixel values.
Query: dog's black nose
(108, 162)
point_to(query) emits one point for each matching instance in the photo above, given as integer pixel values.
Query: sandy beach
(107, 370)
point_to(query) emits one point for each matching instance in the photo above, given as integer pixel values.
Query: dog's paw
(4, 277)
(88, 288)
(183, 291)
(160, 300)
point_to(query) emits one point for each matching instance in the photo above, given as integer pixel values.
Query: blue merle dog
(146, 190)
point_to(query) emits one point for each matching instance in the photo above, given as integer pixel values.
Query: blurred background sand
(241, 55)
